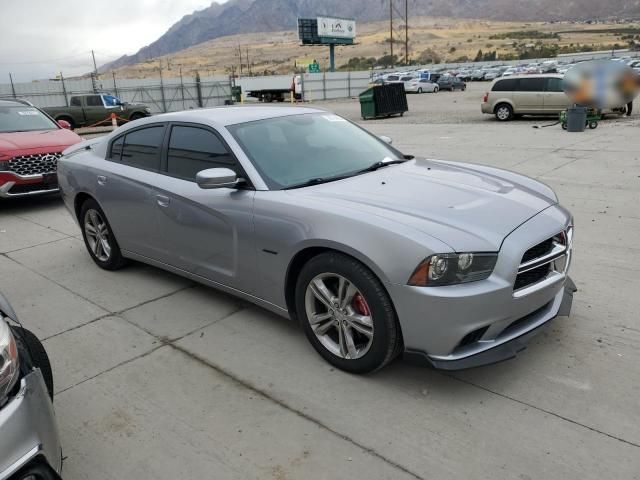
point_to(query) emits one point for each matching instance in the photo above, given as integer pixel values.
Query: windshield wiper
(315, 181)
(379, 165)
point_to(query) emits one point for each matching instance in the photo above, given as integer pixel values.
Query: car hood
(57, 139)
(467, 209)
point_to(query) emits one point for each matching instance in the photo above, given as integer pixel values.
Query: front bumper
(13, 185)
(502, 348)
(457, 326)
(28, 428)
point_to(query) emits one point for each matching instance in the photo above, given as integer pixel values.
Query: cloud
(43, 37)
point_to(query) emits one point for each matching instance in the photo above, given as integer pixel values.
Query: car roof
(534, 75)
(230, 115)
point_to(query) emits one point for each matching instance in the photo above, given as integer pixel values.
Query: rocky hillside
(245, 16)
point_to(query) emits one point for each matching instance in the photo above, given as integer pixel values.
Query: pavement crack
(299, 413)
(548, 412)
(84, 380)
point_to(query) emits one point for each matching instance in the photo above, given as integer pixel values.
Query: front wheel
(35, 355)
(436, 90)
(347, 314)
(420, 90)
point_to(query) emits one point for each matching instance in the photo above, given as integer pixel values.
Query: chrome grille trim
(558, 251)
(37, 164)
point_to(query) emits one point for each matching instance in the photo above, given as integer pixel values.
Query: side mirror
(386, 139)
(64, 124)
(217, 178)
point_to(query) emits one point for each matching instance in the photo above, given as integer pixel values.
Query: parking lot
(160, 378)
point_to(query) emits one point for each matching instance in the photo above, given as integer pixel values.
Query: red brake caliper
(360, 305)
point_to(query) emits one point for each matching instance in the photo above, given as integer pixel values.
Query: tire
(367, 301)
(593, 125)
(92, 219)
(436, 90)
(36, 356)
(463, 88)
(564, 126)
(420, 90)
(136, 116)
(36, 471)
(503, 112)
(67, 119)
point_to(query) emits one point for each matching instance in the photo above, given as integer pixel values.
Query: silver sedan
(306, 214)
(420, 85)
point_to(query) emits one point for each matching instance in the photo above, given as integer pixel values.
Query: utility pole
(406, 32)
(391, 28)
(95, 65)
(13, 88)
(240, 54)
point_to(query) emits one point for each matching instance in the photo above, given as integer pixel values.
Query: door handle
(162, 201)
(102, 180)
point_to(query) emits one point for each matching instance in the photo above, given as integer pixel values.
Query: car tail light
(485, 99)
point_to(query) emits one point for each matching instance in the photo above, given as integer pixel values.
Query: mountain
(248, 16)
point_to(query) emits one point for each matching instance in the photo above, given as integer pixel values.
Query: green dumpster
(383, 101)
(368, 104)
(236, 93)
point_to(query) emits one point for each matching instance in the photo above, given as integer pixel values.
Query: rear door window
(75, 102)
(554, 85)
(142, 147)
(530, 84)
(193, 149)
(94, 101)
(508, 85)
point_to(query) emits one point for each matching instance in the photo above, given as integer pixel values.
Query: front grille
(538, 251)
(37, 164)
(530, 277)
(538, 261)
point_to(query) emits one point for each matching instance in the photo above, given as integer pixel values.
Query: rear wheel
(420, 90)
(436, 89)
(346, 314)
(99, 238)
(504, 112)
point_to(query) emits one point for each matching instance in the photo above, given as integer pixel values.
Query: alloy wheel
(97, 233)
(339, 316)
(503, 113)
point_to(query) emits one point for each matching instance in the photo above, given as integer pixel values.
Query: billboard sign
(336, 28)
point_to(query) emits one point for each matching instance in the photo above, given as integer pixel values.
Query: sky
(40, 38)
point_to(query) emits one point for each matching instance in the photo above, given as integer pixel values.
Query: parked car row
(422, 81)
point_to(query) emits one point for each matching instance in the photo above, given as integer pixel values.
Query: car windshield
(22, 118)
(293, 150)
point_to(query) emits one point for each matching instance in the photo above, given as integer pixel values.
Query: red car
(31, 143)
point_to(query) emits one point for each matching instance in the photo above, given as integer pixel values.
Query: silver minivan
(525, 95)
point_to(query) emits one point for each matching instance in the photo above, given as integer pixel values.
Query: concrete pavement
(160, 378)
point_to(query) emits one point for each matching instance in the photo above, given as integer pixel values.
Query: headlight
(147, 109)
(9, 367)
(453, 268)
